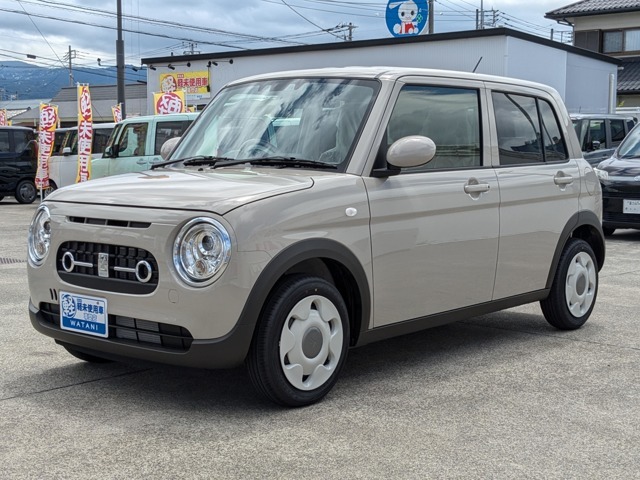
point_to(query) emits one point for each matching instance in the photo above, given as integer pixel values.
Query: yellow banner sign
(46, 135)
(85, 133)
(194, 84)
(169, 102)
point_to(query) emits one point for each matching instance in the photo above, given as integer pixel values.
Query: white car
(63, 168)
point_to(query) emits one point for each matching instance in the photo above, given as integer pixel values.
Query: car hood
(219, 191)
(621, 167)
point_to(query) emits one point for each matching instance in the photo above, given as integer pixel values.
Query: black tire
(1, 197)
(26, 191)
(52, 188)
(293, 387)
(576, 277)
(608, 231)
(85, 356)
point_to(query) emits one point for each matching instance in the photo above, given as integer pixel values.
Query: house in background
(103, 97)
(610, 27)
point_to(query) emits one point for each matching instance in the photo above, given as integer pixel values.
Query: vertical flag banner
(116, 110)
(46, 135)
(85, 133)
(169, 102)
(4, 121)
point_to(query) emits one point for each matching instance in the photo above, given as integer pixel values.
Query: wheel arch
(326, 259)
(586, 226)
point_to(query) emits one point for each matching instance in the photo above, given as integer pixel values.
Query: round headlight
(201, 251)
(39, 239)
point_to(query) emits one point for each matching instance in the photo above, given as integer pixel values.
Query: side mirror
(66, 151)
(411, 151)
(168, 146)
(594, 145)
(110, 152)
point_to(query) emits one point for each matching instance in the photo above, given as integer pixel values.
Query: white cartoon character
(407, 13)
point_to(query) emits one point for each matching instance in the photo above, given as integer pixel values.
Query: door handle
(141, 162)
(562, 179)
(476, 188)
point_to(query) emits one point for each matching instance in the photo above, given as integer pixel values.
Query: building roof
(629, 76)
(436, 37)
(594, 7)
(103, 97)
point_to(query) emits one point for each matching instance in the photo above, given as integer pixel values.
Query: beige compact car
(308, 212)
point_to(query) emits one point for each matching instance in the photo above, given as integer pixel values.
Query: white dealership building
(586, 80)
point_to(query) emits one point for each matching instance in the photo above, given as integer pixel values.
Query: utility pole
(120, 62)
(72, 54)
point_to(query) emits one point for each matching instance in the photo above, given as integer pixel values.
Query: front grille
(131, 330)
(618, 217)
(109, 222)
(628, 194)
(85, 270)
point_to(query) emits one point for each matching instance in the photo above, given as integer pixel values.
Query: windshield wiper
(278, 161)
(197, 160)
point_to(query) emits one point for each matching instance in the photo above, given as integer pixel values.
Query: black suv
(600, 134)
(18, 163)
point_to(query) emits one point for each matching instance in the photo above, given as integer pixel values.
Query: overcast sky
(46, 28)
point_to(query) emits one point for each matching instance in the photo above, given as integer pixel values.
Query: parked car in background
(18, 163)
(620, 181)
(307, 212)
(600, 134)
(58, 141)
(136, 143)
(63, 167)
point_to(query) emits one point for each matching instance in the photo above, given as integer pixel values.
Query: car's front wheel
(26, 192)
(301, 343)
(574, 289)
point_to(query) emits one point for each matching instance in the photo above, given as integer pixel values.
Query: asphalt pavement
(500, 396)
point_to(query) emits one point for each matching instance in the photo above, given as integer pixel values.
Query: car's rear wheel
(608, 231)
(575, 287)
(85, 356)
(301, 343)
(26, 192)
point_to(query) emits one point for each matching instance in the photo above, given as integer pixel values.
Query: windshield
(630, 146)
(313, 119)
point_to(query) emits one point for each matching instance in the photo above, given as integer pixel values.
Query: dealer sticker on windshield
(84, 314)
(631, 206)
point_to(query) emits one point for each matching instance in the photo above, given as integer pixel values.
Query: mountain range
(23, 81)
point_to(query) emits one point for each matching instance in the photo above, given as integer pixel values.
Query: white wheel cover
(318, 314)
(580, 285)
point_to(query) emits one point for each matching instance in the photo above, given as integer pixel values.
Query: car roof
(391, 73)
(16, 127)
(168, 116)
(580, 116)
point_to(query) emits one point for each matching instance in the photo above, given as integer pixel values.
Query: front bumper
(613, 197)
(225, 352)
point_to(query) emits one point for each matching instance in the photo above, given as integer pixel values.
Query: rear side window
(100, 139)
(167, 130)
(5, 146)
(617, 131)
(528, 130)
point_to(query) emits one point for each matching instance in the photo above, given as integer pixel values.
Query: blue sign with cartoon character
(407, 17)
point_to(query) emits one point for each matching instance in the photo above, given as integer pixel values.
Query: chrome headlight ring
(39, 238)
(201, 251)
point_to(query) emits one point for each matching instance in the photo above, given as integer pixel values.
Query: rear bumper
(225, 352)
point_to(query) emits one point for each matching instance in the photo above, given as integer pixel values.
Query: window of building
(589, 40)
(612, 42)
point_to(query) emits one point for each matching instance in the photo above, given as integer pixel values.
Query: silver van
(308, 212)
